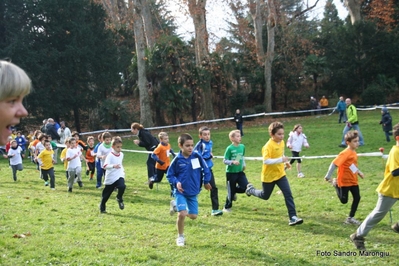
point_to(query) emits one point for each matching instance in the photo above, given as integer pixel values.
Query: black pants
(236, 183)
(151, 167)
(342, 193)
(283, 184)
(108, 189)
(46, 174)
(214, 193)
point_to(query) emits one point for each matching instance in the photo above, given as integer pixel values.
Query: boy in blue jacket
(186, 173)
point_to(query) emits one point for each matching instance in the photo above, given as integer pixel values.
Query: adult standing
(64, 132)
(149, 142)
(313, 104)
(238, 120)
(341, 108)
(351, 123)
(323, 104)
(50, 130)
(14, 86)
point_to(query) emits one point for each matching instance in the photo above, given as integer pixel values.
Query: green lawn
(67, 229)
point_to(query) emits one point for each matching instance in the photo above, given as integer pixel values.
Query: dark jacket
(238, 118)
(386, 122)
(148, 141)
(50, 130)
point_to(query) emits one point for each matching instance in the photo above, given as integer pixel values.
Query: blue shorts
(187, 203)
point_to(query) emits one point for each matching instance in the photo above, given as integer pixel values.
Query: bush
(237, 101)
(374, 94)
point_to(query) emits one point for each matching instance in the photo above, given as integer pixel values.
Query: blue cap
(384, 109)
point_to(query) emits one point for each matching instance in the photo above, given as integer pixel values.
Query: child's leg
(231, 189)
(79, 174)
(45, 176)
(356, 199)
(181, 207)
(342, 193)
(107, 191)
(92, 168)
(14, 172)
(283, 184)
(99, 174)
(387, 136)
(298, 166)
(384, 204)
(294, 154)
(71, 177)
(242, 182)
(267, 189)
(159, 175)
(214, 193)
(120, 184)
(52, 177)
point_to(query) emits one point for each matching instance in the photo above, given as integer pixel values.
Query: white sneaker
(226, 209)
(180, 241)
(351, 220)
(301, 175)
(173, 209)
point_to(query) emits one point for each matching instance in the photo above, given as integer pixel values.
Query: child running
(386, 122)
(114, 175)
(235, 165)
(46, 162)
(63, 156)
(161, 156)
(346, 181)
(14, 154)
(73, 156)
(388, 195)
(186, 173)
(204, 147)
(90, 158)
(103, 150)
(273, 172)
(296, 139)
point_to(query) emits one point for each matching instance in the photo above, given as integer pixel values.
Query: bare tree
(256, 8)
(198, 14)
(354, 7)
(145, 106)
(271, 25)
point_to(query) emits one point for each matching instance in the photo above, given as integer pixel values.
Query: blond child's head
(163, 137)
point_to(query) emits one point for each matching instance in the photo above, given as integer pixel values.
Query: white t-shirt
(113, 174)
(16, 159)
(103, 151)
(72, 164)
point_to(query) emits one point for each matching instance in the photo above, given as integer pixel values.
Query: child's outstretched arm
(331, 170)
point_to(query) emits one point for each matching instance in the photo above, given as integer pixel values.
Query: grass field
(67, 229)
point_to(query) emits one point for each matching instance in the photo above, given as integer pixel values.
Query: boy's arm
(331, 169)
(171, 173)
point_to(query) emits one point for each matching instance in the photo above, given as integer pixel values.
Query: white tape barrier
(367, 154)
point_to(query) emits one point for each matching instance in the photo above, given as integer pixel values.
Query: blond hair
(233, 133)
(13, 81)
(162, 134)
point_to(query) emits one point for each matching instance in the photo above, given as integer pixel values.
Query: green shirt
(235, 153)
(351, 114)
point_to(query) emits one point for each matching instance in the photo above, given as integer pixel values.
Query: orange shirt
(163, 153)
(346, 160)
(89, 157)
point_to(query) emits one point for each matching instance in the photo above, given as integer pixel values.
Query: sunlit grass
(67, 228)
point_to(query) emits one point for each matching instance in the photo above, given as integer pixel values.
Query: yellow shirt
(46, 156)
(272, 172)
(389, 187)
(62, 157)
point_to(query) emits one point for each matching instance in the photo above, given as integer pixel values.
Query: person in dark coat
(149, 142)
(51, 130)
(386, 122)
(238, 120)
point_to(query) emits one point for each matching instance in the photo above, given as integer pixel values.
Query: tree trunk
(256, 8)
(354, 9)
(197, 12)
(145, 107)
(271, 24)
(147, 22)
